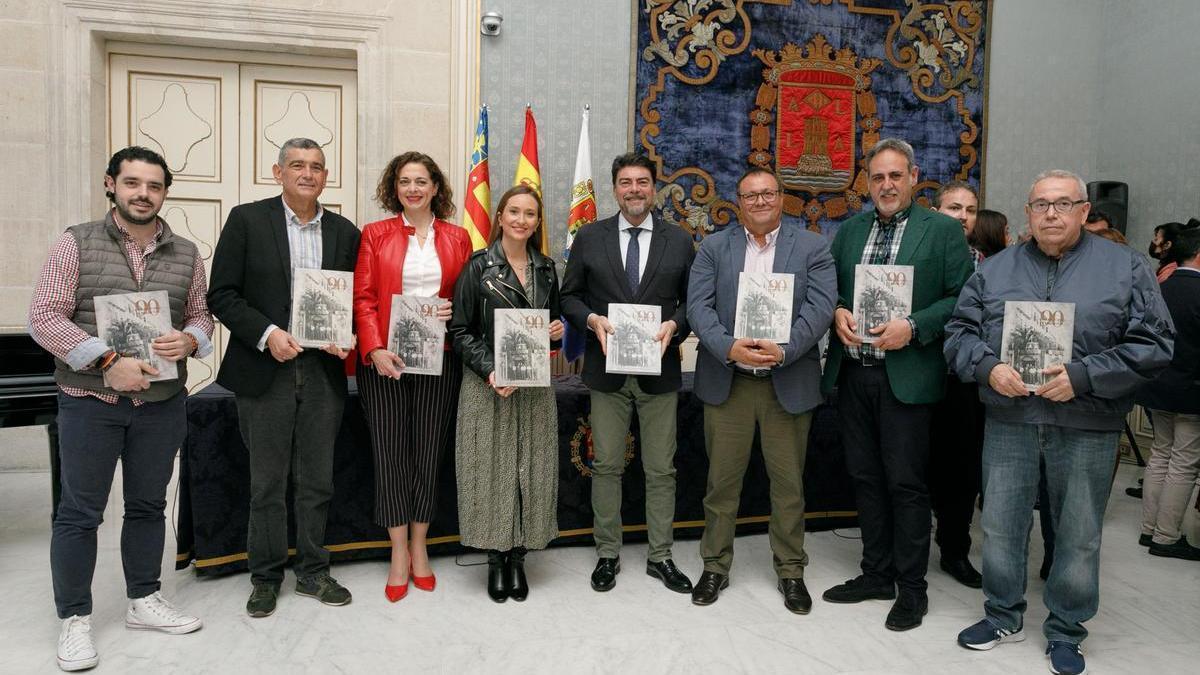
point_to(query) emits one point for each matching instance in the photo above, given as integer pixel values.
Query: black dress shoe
(858, 589)
(604, 577)
(908, 611)
(1145, 539)
(671, 577)
(1180, 549)
(518, 587)
(795, 596)
(962, 571)
(709, 587)
(497, 581)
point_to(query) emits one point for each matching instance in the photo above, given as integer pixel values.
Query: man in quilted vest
(108, 406)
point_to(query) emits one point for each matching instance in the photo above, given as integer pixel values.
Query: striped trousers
(410, 420)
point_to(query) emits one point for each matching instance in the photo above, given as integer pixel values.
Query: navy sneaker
(1065, 658)
(985, 635)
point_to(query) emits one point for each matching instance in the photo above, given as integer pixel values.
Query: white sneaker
(76, 651)
(153, 612)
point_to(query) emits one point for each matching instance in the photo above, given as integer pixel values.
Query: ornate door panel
(219, 123)
(282, 102)
(186, 110)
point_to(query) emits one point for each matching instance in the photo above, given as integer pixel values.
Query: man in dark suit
(747, 383)
(289, 399)
(886, 389)
(1174, 399)
(631, 257)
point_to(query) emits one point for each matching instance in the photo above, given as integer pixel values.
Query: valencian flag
(583, 211)
(528, 172)
(478, 200)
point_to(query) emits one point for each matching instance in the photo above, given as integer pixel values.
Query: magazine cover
(1037, 335)
(522, 347)
(632, 349)
(416, 335)
(129, 322)
(322, 307)
(881, 293)
(764, 306)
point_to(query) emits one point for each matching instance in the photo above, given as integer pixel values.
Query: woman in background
(411, 417)
(507, 445)
(990, 235)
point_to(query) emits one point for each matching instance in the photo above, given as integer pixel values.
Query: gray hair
(1060, 173)
(298, 144)
(950, 187)
(895, 145)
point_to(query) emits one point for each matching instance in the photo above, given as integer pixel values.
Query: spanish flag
(528, 172)
(478, 200)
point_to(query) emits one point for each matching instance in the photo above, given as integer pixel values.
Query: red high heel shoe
(425, 583)
(395, 593)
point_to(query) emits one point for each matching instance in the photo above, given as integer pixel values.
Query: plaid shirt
(883, 243)
(53, 307)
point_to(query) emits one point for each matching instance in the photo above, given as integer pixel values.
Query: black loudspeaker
(1111, 197)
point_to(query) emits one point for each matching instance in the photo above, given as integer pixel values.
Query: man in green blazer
(886, 388)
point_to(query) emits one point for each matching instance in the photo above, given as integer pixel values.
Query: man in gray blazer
(746, 382)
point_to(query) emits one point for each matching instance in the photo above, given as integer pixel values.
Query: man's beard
(132, 219)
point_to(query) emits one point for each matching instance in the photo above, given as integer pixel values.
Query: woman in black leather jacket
(506, 450)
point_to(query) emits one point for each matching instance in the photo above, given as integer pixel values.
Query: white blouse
(422, 271)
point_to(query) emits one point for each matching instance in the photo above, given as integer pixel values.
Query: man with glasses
(747, 383)
(1122, 337)
(886, 389)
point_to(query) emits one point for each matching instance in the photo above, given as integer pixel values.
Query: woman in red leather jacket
(416, 252)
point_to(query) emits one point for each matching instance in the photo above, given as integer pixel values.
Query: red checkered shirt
(53, 304)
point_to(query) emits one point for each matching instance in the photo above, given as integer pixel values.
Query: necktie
(633, 254)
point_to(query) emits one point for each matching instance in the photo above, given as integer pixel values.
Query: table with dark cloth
(214, 483)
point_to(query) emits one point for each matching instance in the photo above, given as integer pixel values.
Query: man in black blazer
(631, 257)
(289, 399)
(1174, 399)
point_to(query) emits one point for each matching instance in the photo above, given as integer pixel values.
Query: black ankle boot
(497, 581)
(518, 587)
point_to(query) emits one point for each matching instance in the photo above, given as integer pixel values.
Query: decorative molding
(80, 28)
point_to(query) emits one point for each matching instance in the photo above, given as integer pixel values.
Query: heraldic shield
(823, 111)
(814, 138)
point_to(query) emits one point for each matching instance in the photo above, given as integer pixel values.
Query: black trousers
(290, 430)
(887, 455)
(956, 465)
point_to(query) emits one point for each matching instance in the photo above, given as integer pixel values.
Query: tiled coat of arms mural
(804, 87)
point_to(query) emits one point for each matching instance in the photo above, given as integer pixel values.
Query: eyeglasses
(767, 196)
(1060, 205)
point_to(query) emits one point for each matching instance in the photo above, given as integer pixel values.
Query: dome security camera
(489, 23)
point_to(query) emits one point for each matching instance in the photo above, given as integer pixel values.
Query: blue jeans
(1078, 468)
(93, 435)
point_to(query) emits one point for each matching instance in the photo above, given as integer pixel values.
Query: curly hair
(442, 203)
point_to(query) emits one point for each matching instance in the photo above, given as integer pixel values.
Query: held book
(764, 306)
(632, 349)
(322, 307)
(1036, 335)
(881, 293)
(129, 322)
(522, 347)
(416, 335)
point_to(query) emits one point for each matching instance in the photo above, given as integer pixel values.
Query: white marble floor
(1149, 619)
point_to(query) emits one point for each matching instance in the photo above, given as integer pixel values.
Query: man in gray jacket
(1122, 338)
